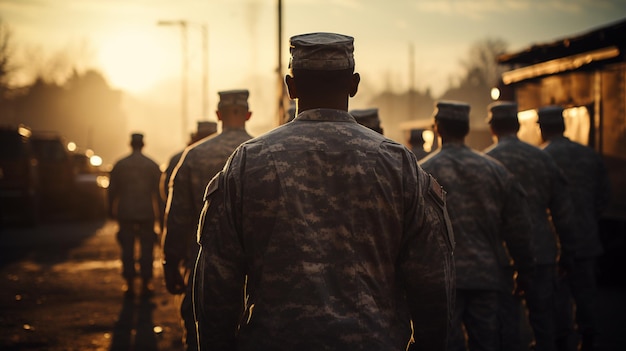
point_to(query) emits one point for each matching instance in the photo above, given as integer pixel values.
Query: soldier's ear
(291, 87)
(354, 84)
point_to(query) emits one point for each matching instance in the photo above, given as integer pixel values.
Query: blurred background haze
(95, 71)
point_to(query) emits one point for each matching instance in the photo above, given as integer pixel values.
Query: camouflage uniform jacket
(198, 164)
(487, 208)
(546, 189)
(134, 188)
(338, 236)
(167, 174)
(589, 187)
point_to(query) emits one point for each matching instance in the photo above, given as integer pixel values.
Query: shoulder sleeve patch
(437, 189)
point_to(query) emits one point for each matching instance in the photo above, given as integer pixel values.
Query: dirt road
(61, 290)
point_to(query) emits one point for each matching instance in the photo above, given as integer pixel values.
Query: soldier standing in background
(487, 209)
(205, 129)
(550, 204)
(323, 234)
(589, 187)
(416, 140)
(368, 118)
(198, 164)
(135, 202)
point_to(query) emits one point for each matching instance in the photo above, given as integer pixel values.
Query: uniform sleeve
(516, 228)
(219, 276)
(563, 214)
(156, 195)
(180, 223)
(427, 265)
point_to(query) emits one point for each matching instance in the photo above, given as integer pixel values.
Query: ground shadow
(46, 243)
(134, 329)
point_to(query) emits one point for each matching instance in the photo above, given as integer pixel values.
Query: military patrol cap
(233, 98)
(452, 111)
(367, 117)
(136, 139)
(416, 137)
(502, 111)
(207, 127)
(550, 115)
(321, 51)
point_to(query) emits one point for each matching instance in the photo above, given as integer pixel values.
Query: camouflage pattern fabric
(419, 152)
(488, 210)
(323, 235)
(489, 214)
(482, 308)
(167, 175)
(546, 188)
(589, 188)
(198, 164)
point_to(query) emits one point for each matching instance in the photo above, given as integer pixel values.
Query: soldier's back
(136, 181)
(545, 188)
(588, 185)
(477, 187)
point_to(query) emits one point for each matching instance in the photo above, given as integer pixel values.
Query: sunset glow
(399, 45)
(136, 59)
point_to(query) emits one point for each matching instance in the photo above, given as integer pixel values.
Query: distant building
(586, 74)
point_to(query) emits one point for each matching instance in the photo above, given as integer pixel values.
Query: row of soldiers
(534, 212)
(545, 233)
(322, 234)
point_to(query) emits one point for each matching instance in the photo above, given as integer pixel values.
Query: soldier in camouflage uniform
(135, 202)
(199, 163)
(589, 188)
(323, 234)
(416, 141)
(205, 129)
(369, 118)
(488, 209)
(546, 190)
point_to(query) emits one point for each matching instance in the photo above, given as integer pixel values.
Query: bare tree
(480, 66)
(481, 74)
(6, 57)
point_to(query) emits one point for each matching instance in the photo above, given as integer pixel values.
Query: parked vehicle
(19, 177)
(91, 184)
(56, 174)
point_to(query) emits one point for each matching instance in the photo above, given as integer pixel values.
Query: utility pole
(279, 73)
(184, 73)
(411, 80)
(205, 71)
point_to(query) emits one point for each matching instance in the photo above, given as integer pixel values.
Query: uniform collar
(325, 114)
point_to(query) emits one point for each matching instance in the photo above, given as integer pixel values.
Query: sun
(134, 60)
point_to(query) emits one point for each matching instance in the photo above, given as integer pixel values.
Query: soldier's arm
(159, 207)
(564, 217)
(516, 229)
(180, 224)
(428, 267)
(219, 276)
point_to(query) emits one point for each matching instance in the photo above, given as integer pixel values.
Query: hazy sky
(136, 55)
